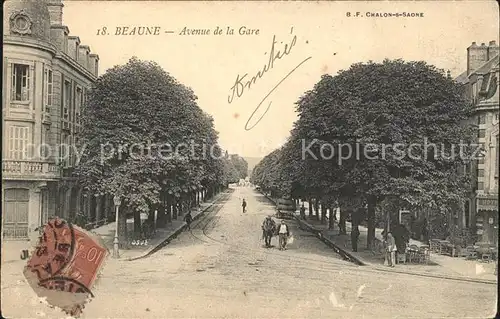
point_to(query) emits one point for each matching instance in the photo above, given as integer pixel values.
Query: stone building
(47, 74)
(480, 212)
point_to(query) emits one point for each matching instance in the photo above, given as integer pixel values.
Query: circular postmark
(54, 250)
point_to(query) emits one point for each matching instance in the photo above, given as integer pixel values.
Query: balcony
(29, 170)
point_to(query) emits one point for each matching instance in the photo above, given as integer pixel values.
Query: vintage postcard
(250, 159)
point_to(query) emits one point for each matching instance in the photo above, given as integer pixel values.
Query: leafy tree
(241, 165)
(146, 140)
(380, 111)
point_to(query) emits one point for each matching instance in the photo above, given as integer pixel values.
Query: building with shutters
(47, 74)
(480, 212)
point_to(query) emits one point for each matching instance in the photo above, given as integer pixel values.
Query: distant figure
(283, 233)
(188, 218)
(244, 206)
(303, 212)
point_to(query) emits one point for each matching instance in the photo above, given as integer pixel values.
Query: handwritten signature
(239, 86)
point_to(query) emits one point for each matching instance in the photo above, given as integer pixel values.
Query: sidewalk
(11, 249)
(438, 266)
(161, 238)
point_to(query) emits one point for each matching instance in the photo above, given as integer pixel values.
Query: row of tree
(343, 148)
(146, 140)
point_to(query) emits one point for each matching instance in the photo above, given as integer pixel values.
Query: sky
(326, 41)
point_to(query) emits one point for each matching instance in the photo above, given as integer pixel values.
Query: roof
(483, 69)
(486, 68)
(462, 78)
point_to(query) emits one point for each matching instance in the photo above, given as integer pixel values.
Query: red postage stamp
(64, 266)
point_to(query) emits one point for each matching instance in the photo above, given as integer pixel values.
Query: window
(481, 133)
(481, 119)
(20, 82)
(48, 89)
(480, 186)
(46, 144)
(78, 106)
(497, 151)
(467, 168)
(18, 142)
(474, 92)
(480, 172)
(67, 99)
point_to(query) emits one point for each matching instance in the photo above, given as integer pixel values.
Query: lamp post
(117, 201)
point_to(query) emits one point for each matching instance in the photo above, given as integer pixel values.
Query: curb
(173, 235)
(345, 255)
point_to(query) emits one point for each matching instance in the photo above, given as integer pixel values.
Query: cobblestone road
(221, 270)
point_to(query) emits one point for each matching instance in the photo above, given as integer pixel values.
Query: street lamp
(117, 201)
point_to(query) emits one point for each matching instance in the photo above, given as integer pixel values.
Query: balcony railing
(25, 169)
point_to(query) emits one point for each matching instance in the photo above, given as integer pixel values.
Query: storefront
(487, 220)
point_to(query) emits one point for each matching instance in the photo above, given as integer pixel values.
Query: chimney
(492, 50)
(55, 10)
(83, 56)
(73, 44)
(476, 57)
(58, 36)
(94, 64)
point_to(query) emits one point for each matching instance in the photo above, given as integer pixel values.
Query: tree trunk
(161, 218)
(343, 217)
(370, 239)
(168, 208)
(122, 227)
(137, 224)
(323, 212)
(331, 222)
(316, 209)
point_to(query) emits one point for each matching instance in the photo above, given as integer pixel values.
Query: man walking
(391, 249)
(283, 234)
(188, 218)
(244, 205)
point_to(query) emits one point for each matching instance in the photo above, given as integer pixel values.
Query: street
(220, 269)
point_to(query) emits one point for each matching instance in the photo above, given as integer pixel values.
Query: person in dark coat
(303, 212)
(244, 205)
(188, 218)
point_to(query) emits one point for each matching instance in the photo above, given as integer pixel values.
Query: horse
(269, 229)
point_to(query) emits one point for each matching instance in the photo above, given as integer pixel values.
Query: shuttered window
(18, 142)
(48, 89)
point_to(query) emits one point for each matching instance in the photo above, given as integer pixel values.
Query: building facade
(47, 75)
(480, 212)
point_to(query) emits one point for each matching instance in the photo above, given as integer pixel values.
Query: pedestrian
(354, 239)
(244, 205)
(391, 249)
(188, 218)
(303, 212)
(283, 234)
